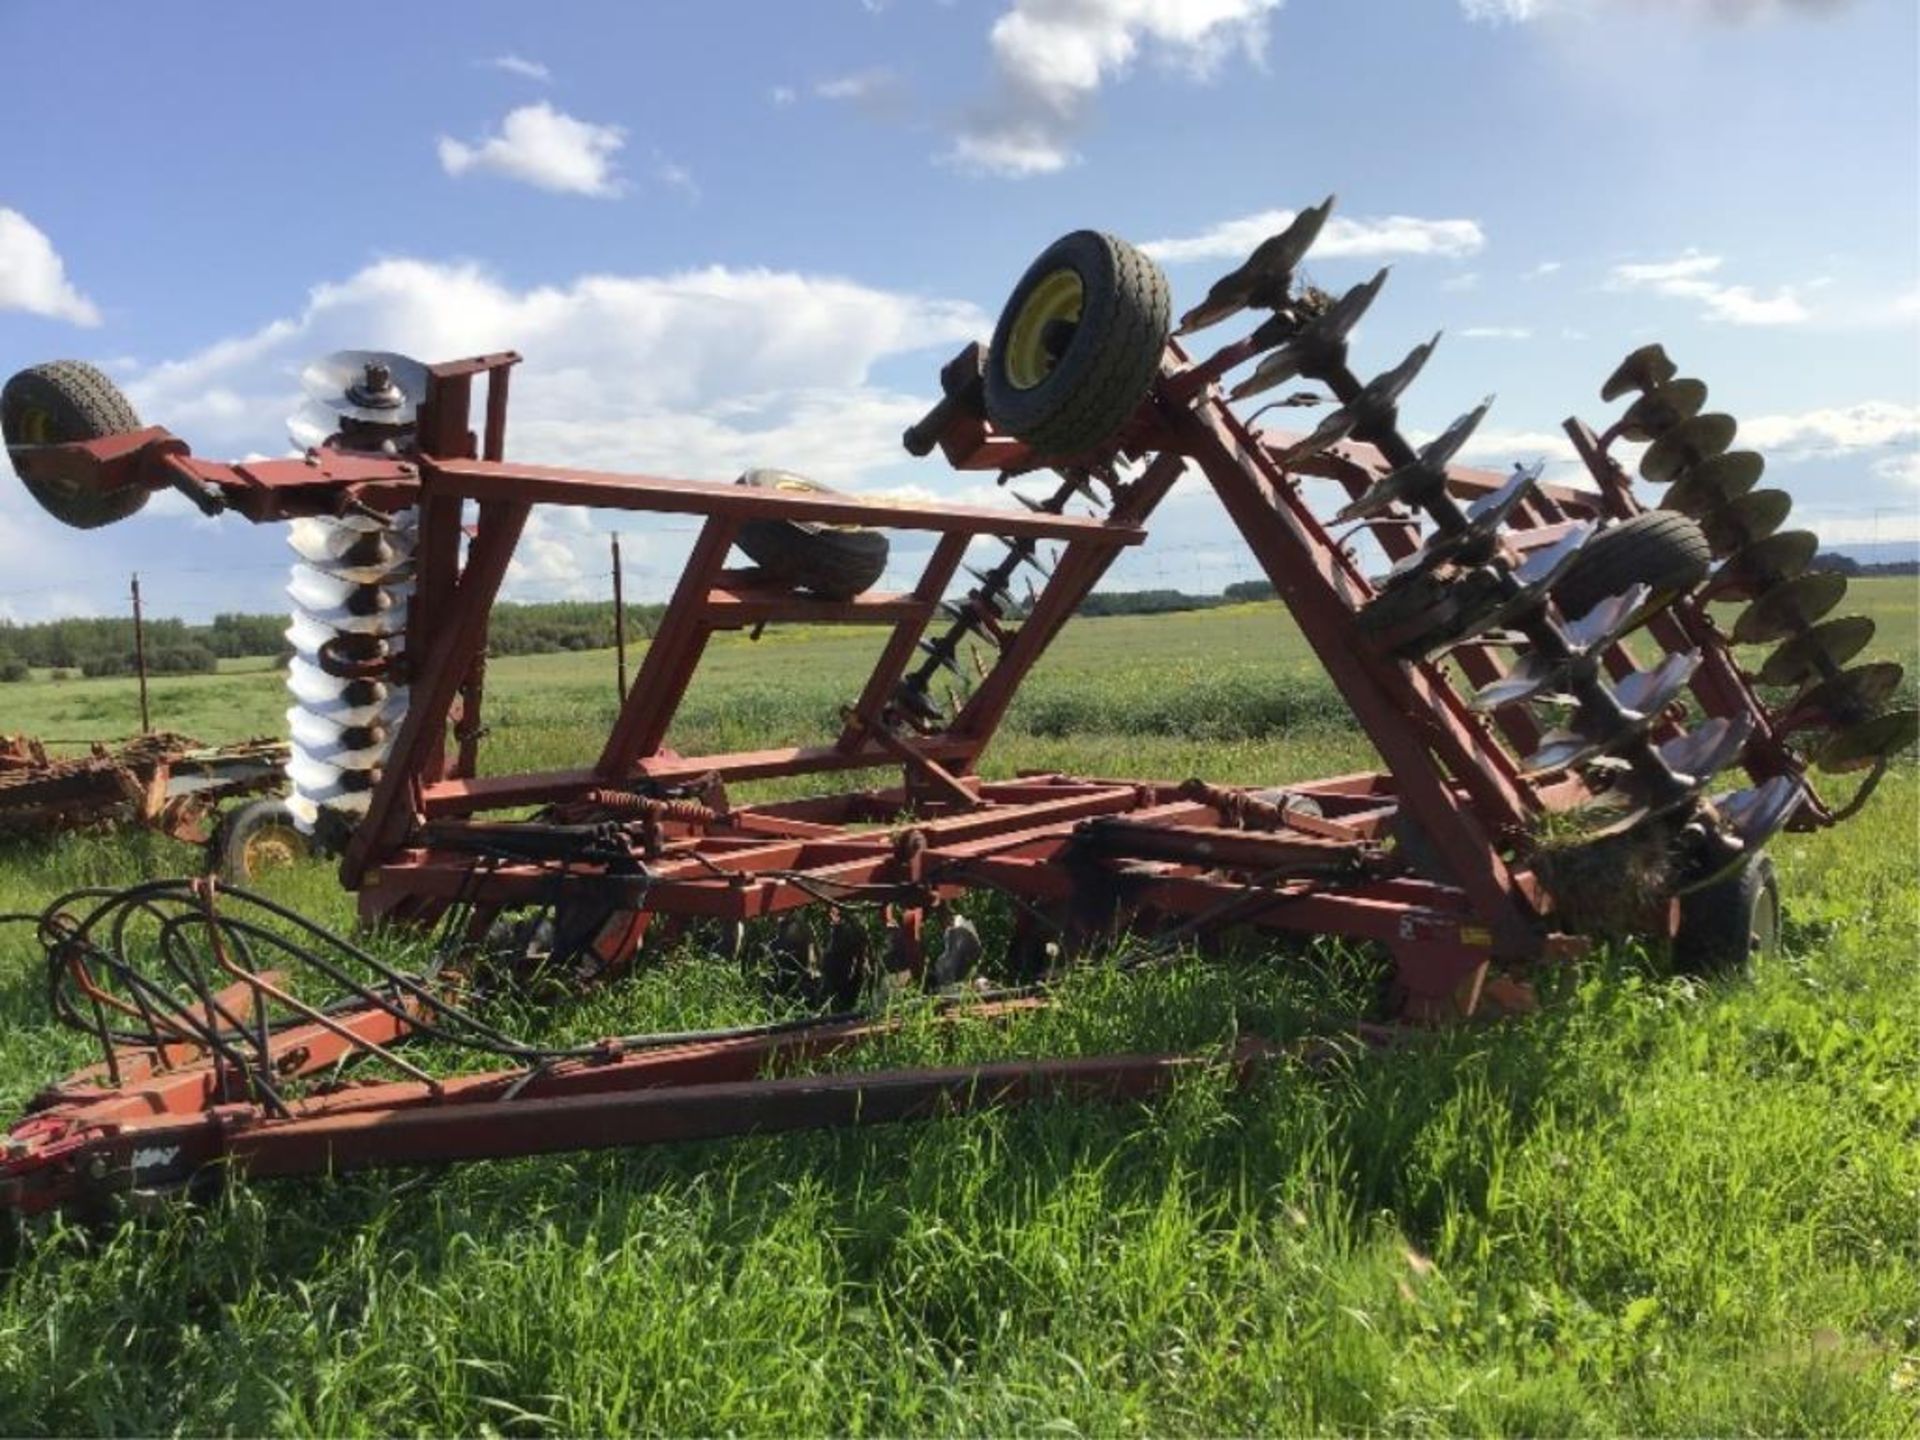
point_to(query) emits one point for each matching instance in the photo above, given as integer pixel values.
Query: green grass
(1656, 1207)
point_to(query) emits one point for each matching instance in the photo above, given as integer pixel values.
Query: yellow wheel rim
(35, 427)
(1058, 296)
(272, 847)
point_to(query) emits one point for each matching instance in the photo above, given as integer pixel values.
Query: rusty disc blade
(1756, 568)
(1790, 608)
(1687, 444)
(1864, 745)
(1642, 370)
(1714, 481)
(1837, 640)
(1845, 699)
(1752, 517)
(1662, 408)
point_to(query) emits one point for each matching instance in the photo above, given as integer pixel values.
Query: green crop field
(1658, 1206)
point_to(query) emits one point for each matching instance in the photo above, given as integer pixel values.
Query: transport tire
(834, 561)
(1078, 344)
(1660, 549)
(1731, 923)
(55, 404)
(259, 837)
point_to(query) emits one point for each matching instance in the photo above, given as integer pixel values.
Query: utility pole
(140, 656)
(619, 621)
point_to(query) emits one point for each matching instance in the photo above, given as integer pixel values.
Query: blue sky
(748, 233)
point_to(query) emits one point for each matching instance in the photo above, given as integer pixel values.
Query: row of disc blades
(349, 586)
(1839, 711)
(1467, 582)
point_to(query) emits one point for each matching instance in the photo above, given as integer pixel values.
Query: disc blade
(1661, 408)
(1530, 679)
(1644, 368)
(1846, 699)
(1800, 657)
(1790, 608)
(1645, 693)
(1269, 269)
(1491, 510)
(1754, 516)
(1760, 566)
(340, 382)
(1864, 745)
(1607, 621)
(1756, 815)
(1686, 444)
(1714, 481)
(1708, 748)
(1428, 474)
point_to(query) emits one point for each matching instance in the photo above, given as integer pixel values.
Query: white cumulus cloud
(544, 147)
(32, 276)
(1342, 238)
(1691, 277)
(701, 373)
(1835, 430)
(1051, 58)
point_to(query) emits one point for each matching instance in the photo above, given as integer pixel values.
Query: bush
(12, 669)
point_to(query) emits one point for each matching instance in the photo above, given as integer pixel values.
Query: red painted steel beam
(543, 484)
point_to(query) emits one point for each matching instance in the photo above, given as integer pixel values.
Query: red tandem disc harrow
(1538, 663)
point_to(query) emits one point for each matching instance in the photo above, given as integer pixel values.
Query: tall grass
(1655, 1207)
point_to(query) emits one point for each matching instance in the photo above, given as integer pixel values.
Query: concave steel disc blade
(1319, 341)
(1376, 398)
(1269, 269)
(1760, 566)
(1426, 476)
(1532, 677)
(1709, 748)
(1754, 516)
(1645, 693)
(327, 596)
(1714, 481)
(1790, 608)
(1642, 370)
(1866, 744)
(1837, 640)
(1688, 443)
(1536, 577)
(311, 426)
(320, 780)
(1560, 750)
(1607, 621)
(1848, 698)
(1754, 816)
(340, 382)
(1662, 408)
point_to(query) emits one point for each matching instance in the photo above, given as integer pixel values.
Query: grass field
(1656, 1207)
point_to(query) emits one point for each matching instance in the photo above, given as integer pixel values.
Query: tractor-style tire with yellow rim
(56, 404)
(1078, 344)
(837, 562)
(257, 838)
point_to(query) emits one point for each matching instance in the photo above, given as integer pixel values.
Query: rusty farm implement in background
(162, 781)
(1537, 671)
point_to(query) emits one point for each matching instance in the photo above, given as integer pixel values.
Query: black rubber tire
(1661, 549)
(1731, 923)
(60, 402)
(1106, 369)
(835, 561)
(259, 836)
